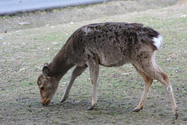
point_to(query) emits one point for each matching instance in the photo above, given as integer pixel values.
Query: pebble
(24, 23)
(4, 43)
(54, 43)
(18, 31)
(90, 117)
(22, 69)
(126, 74)
(183, 15)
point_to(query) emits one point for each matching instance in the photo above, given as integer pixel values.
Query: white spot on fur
(169, 89)
(86, 30)
(157, 41)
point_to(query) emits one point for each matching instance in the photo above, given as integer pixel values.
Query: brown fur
(107, 44)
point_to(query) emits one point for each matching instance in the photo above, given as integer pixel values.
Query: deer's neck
(60, 64)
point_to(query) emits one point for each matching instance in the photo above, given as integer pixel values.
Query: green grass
(119, 89)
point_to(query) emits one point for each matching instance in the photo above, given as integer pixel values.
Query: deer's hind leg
(150, 68)
(157, 73)
(76, 72)
(148, 81)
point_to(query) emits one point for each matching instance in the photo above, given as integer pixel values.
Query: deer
(110, 44)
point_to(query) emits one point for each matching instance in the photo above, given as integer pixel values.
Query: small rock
(1, 38)
(90, 117)
(22, 69)
(183, 15)
(4, 43)
(54, 43)
(31, 83)
(71, 22)
(24, 23)
(126, 74)
(76, 102)
(168, 59)
(47, 25)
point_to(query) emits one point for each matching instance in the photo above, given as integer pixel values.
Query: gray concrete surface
(9, 7)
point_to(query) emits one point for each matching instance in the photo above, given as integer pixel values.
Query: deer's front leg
(94, 72)
(76, 72)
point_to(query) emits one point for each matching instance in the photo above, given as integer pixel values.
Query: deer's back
(112, 44)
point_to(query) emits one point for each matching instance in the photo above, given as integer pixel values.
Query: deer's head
(47, 84)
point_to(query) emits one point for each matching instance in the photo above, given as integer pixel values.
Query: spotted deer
(107, 44)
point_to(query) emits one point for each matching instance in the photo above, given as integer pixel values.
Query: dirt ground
(77, 14)
(29, 40)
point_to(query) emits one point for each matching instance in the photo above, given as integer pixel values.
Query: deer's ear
(46, 71)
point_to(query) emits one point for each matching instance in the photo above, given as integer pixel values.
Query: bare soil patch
(77, 14)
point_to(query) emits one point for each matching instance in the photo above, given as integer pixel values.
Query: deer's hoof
(91, 107)
(63, 99)
(176, 116)
(137, 110)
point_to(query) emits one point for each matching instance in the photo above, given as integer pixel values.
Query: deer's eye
(42, 88)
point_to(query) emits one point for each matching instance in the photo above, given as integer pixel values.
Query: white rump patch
(157, 41)
(169, 89)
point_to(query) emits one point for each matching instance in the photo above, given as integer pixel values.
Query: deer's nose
(46, 103)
